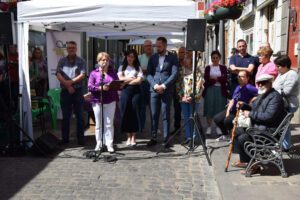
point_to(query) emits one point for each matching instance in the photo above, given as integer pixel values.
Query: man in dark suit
(162, 73)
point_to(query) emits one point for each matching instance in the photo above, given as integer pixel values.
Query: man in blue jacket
(162, 73)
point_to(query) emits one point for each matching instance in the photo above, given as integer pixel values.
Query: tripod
(195, 119)
(12, 126)
(96, 154)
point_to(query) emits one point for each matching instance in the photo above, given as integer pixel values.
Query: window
(249, 39)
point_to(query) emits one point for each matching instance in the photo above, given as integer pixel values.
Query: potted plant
(227, 9)
(209, 16)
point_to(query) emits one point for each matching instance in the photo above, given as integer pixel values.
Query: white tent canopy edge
(93, 16)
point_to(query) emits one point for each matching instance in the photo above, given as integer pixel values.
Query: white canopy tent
(135, 35)
(130, 17)
(171, 41)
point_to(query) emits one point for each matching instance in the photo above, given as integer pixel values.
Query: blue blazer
(167, 75)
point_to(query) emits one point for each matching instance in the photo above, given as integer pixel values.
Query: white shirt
(289, 84)
(216, 72)
(161, 61)
(130, 72)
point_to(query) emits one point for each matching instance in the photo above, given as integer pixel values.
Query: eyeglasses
(262, 82)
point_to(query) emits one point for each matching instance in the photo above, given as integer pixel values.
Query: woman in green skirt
(215, 89)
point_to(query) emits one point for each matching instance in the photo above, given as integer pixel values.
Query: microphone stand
(103, 147)
(195, 119)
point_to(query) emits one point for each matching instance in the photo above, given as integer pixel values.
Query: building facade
(272, 21)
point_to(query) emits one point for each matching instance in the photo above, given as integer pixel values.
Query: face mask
(262, 90)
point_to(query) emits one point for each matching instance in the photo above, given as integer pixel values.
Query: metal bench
(267, 147)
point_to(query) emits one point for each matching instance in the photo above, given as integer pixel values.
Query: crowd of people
(157, 80)
(262, 87)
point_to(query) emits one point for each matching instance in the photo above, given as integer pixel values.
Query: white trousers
(108, 114)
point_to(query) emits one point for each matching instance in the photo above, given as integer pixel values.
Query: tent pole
(24, 83)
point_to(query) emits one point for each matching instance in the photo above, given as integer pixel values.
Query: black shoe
(186, 142)
(152, 142)
(166, 145)
(63, 142)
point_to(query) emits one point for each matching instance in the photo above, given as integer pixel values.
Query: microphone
(102, 69)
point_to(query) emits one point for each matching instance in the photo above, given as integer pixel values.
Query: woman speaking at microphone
(100, 75)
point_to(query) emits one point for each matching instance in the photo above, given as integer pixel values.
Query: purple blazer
(94, 84)
(222, 80)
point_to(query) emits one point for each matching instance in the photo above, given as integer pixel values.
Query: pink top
(269, 68)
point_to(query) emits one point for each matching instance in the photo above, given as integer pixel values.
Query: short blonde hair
(266, 51)
(101, 55)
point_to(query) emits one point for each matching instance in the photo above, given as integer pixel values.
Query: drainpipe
(221, 41)
(288, 26)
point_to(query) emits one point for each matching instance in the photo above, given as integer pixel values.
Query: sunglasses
(262, 82)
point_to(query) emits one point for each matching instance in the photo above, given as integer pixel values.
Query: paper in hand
(115, 85)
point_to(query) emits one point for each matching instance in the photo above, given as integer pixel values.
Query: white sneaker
(223, 138)
(110, 149)
(98, 146)
(218, 130)
(208, 131)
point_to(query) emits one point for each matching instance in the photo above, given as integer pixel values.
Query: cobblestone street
(138, 174)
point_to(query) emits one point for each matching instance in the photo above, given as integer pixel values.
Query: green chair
(54, 104)
(41, 107)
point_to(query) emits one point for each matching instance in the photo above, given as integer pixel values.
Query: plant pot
(211, 19)
(228, 13)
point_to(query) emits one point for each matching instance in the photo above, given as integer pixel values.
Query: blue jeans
(160, 102)
(68, 103)
(186, 109)
(288, 136)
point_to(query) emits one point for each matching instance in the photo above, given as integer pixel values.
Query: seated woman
(109, 98)
(243, 92)
(266, 113)
(287, 84)
(184, 90)
(132, 75)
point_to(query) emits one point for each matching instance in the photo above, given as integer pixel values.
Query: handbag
(243, 121)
